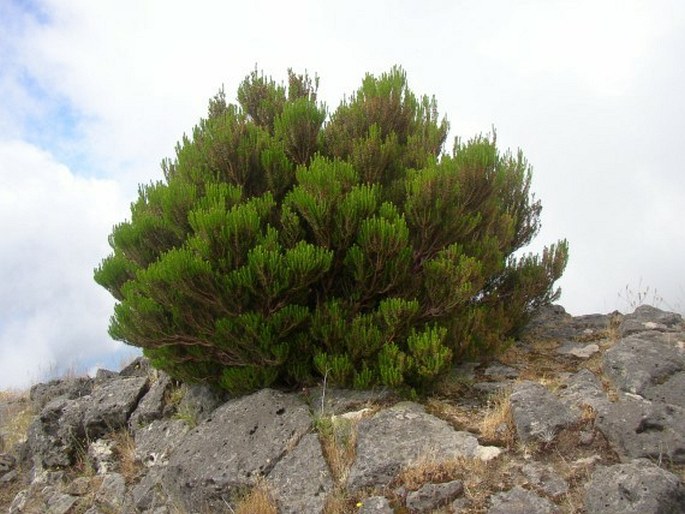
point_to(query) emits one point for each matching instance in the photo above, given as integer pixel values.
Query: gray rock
(647, 317)
(57, 433)
(102, 375)
(399, 436)
(149, 493)
(151, 407)
(639, 428)
(111, 404)
(59, 503)
(431, 496)
(670, 391)
(241, 441)
(578, 350)
(9, 477)
(139, 367)
(101, 455)
(200, 401)
(7, 462)
(375, 505)
(156, 441)
(583, 388)
(339, 401)
(500, 370)
(520, 501)
(545, 479)
(538, 414)
(112, 492)
(80, 486)
(301, 480)
(639, 487)
(42, 394)
(640, 361)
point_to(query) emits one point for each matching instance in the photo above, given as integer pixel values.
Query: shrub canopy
(283, 245)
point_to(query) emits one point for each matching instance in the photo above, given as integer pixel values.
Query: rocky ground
(583, 415)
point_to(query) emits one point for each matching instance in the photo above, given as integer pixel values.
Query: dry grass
(18, 413)
(497, 426)
(338, 438)
(258, 501)
(125, 453)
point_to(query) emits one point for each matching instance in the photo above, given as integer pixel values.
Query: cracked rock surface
(584, 415)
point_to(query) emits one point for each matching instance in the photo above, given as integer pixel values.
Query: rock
(111, 405)
(151, 407)
(112, 491)
(397, 437)
(520, 501)
(579, 350)
(636, 427)
(340, 401)
(7, 462)
(646, 317)
(431, 496)
(156, 441)
(147, 494)
(500, 370)
(299, 488)
(139, 367)
(56, 434)
(59, 503)
(241, 441)
(200, 401)
(71, 389)
(80, 486)
(641, 361)
(103, 375)
(583, 388)
(101, 455)
(375, 505)
(545, 479)
(9, 477)
(538, 414)
(639, 487)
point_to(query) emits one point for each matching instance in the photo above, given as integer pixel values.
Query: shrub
(283, 244)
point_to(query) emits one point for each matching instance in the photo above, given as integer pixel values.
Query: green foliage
(284, 245)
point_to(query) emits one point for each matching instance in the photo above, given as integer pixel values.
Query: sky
(93, 95)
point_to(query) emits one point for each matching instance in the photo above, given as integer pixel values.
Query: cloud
(54, 226)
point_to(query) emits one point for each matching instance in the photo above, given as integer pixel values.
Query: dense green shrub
(283, 244)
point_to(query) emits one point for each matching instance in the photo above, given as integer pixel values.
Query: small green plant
(284, 243)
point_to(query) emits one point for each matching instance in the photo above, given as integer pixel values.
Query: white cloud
(54, 228)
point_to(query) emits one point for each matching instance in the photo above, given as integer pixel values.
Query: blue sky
(93, 95)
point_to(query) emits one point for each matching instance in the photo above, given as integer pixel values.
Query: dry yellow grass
(338, 437)
(18, 413)
(125, 453)
(258, 501)
(497, 426)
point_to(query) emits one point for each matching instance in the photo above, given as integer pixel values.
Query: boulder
(57, 433)
(151, 407)
(111, 404)
(301, 480)
(241, 441)
(646, 317)
(520, 501)
(399, 436)
(636, 427)
(431, 496)
(70, 388)
(200, 401)
(638, 487)
(375, 505)
(641, 361)
(138, 367)
(538, 414)
(545, 479)
(155, 442)
(583, 388)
